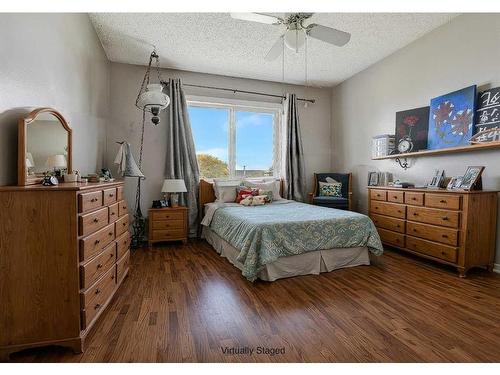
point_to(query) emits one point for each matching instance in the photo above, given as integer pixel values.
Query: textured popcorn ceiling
(215, 43)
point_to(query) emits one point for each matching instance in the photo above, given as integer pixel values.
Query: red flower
(410, 120)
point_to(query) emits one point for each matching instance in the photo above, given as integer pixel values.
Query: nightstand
(168, 224)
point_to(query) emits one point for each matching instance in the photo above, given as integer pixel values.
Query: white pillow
(225, 189)
(273, 185)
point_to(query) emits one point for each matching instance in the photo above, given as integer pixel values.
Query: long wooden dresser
(454, 227)
(64, 251)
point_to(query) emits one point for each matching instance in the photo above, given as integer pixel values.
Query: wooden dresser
(457, 228)
(168, 224)
(64, 251)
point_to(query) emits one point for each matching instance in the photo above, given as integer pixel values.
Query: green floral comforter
(266, 233)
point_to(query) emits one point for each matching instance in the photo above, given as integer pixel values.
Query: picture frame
(436, 180)
(454, 183)
(372, 178)
(472, 178)
(164, 203)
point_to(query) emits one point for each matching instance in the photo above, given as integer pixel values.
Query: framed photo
(372, 178)
(164, 203)
(454, 183)
(437, 179)
(471, 177)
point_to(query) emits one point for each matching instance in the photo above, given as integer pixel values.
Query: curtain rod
(243, 91)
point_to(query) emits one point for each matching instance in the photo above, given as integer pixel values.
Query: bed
(286, 238)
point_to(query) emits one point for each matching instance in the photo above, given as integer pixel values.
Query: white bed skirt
(311, 263)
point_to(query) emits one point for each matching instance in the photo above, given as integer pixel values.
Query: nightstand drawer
(168, 224)
(167, 215)
(168, 234)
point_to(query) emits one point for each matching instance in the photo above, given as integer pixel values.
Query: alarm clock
(50, 181)
(405, 144)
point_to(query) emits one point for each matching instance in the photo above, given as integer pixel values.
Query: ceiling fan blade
(328, 34)
(275, 50)
(257, 17)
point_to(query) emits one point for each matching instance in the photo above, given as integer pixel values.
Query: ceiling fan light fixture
(295, 38)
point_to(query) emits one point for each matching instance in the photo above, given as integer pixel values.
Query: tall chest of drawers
(452, 227)
(64, 252)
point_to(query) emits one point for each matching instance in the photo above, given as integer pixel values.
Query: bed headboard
(206, 194)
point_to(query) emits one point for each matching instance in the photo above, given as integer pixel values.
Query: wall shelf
(450, 150)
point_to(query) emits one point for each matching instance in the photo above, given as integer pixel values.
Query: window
(234, 138)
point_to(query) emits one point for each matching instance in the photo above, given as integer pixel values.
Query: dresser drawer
(122, 244)
(93, 221)
(109, 196)
(392, 238)
(448, 201)
(96, 242)
(389, 209)
(121, 225)
(395, 196)
(168, 224)
(433, 233)
(119, 193)
(167, 215)
(94, 299)
(416, 199)
(113, 213)
(122, 208)
(91, 271)
(169, 234)
(434, 216)
(378, 195)
(386, 222)
(433, 249)
(122, 266)
(89, 201)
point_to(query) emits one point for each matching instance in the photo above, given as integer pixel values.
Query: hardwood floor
(185, 303)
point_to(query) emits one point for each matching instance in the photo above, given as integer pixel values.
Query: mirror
(44, 146)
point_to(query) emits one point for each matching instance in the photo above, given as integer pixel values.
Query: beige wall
(464, 52)
(53, 60)
(125, 122)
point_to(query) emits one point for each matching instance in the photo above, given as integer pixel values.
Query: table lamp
(173, 187)
(57, 163)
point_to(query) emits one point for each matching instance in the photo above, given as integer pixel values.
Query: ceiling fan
(296, 32)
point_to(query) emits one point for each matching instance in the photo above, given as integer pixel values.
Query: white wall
(125, 122)
(463, 52)
(53, 60)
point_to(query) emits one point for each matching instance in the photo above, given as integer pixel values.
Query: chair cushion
(331, 201)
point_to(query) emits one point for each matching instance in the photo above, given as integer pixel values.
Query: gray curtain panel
(294, 153)
(181, 155)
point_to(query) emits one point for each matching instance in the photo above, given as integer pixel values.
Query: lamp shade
(153, 97)
(173, 186)
(56, 161)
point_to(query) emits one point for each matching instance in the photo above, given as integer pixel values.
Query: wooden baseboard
(496, 267)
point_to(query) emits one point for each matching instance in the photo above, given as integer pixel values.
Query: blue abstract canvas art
(451, 119)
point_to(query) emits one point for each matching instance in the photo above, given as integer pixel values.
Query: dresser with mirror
(64, 248)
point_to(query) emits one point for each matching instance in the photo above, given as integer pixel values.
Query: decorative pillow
(257, 200)
(273, 185)
(225, 189)
(331, 180)
(330, 190)
(244, 192)
(267, 194)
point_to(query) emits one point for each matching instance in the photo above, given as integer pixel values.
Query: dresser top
(65, 186)
(429, 190)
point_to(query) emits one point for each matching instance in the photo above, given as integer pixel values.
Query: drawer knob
(445, 236)
(397, 226)
(93, 200)
(395, 196)
(124, 223)
(415, 230)
(99, 266)
(110, 233)
(413, 199)
(97, 306)
(112, 214)
(442, 201)
(399, 211)
(97, 291)
(445, 218)
(415, 214)
(112, 277)
(97, 241)
(443, 253)
(96, 220)
(111, 195)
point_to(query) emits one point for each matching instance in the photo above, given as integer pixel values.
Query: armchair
(342, 203)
